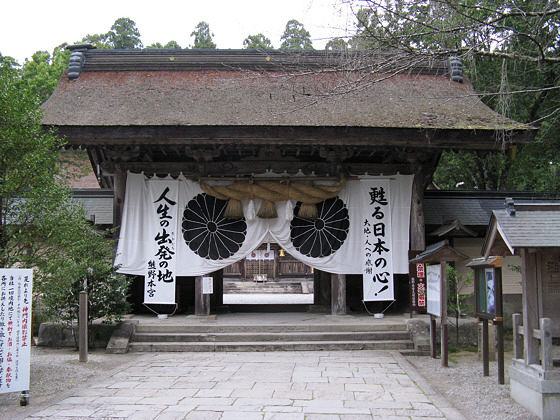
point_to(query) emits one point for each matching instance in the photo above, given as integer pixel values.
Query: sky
(41, 25)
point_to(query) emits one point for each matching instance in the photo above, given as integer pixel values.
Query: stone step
(271, 346)
(271, 328)
(160, 337)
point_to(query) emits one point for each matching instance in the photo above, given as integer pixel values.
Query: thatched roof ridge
(272, 88)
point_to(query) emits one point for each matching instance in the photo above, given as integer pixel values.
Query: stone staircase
(335, 336)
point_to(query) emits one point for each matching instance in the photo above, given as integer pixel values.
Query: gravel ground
(57, 371)
(475, 396)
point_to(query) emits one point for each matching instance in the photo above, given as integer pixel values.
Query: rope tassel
(308, 211)
(267, 210)
(234, 209)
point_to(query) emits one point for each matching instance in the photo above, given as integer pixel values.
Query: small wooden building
(533, 232)
(233, 114)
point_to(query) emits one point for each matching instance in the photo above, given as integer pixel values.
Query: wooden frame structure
(234, 113)
(440, 253)
(533, 232)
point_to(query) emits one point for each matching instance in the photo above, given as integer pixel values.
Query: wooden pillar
(217, 298)
(201, 301)
(530, 306)
(417, 232)
(444, 332)
(316, 287)
(338, 294)
(119, 190)
(433, 337)
(325, 289)
(485, 349)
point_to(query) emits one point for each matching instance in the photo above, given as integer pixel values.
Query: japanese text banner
(377, 240)
(15, 329)
(162, 227)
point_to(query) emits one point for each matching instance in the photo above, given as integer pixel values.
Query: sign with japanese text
(417, 284)
(159, 287)
(15, 329)
(207, 285)
(377, 244)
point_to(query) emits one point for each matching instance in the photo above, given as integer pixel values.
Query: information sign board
(15, 329)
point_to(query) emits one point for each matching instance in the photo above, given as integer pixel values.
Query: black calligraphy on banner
(377, 241)
(160, 270)
(15, 329)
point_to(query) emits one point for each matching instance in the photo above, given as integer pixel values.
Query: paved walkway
(267, 385)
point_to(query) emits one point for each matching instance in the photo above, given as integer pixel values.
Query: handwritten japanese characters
(377, 243)
(160, 270)
(15, 329)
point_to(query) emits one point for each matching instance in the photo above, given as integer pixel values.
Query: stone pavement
(257, 385)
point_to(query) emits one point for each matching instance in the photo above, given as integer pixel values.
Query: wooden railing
(543, 335)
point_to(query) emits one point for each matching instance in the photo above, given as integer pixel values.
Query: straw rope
(274, 191)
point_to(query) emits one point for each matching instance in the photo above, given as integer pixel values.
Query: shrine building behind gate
(210, 151)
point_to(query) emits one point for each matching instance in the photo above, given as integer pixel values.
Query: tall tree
(42, 73)
(510, 52)
(40, 224)
(295, 37)
(258, 41)
(203, 36)
(336, 44)
(124, 35)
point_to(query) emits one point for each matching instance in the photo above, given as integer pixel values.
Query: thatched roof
(250, 88)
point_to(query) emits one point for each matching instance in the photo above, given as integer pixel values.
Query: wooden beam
(285, 135)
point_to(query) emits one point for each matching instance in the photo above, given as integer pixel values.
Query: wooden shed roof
(523, 226)
(231, 88)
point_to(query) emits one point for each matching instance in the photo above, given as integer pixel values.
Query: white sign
(159, 287)
(433, 294)
(207, 285)
(377, 241)
(15, 329)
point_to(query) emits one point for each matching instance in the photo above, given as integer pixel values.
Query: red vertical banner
(417, 284)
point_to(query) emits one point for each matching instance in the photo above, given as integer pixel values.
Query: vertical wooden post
(546, 343)
(517, 338)
(417, 231)
(338, 294)
(444, 331)
(217, 298)
(485, 349)
(500, 355)
(119, 190)
(325, 289)
(316, 287)
(83, 327)
(530, 306)
(201, 301)
(499, 324)
(433, 337)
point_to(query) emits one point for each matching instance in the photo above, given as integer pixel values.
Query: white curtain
(204, 241)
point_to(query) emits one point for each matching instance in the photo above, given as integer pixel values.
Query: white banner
(15, 329)
(377, 240)
(204, 241)
(162, 226)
